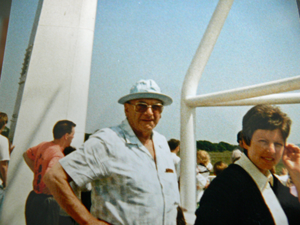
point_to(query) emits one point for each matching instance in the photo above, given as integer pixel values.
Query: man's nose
(149, 110)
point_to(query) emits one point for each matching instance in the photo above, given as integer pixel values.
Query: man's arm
(3, 170)
(11, 148)
(291, 159)
(56, 180)
(29, 161)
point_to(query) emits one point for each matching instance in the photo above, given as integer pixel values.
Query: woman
(246, 192)
(203, 169)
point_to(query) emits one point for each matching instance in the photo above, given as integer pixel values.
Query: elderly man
(130, 167)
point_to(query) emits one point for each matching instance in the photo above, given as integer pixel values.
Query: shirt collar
(259, 178)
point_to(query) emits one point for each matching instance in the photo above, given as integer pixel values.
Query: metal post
(189, 88)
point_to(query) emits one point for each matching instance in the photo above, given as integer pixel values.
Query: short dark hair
(3, 119)
(62, 127)
(265, 117)
(239, 136)
(173, 144)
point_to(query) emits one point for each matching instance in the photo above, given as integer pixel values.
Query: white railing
(251, 95)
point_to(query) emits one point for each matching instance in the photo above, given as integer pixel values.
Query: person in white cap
(130, 167)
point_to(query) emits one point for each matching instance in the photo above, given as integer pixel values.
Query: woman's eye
(278, 144)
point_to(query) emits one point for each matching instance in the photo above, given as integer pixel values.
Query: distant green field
(220, 156)
(226, 157)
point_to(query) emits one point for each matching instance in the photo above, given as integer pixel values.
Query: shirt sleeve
(87, 163)
(31, 152)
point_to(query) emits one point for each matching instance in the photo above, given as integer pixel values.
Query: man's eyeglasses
(143, 107)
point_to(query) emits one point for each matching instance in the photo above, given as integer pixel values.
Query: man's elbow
(51, 176)
(26, 158)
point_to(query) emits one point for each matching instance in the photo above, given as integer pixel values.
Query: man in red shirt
(41, 207)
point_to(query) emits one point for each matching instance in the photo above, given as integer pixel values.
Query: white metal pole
(189, 88)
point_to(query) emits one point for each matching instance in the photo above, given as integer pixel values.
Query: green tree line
(215, 147)
(206, 145)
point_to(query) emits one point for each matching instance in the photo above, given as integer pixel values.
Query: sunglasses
(143, 107)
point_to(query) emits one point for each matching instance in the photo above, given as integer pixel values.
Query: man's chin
(149, 126)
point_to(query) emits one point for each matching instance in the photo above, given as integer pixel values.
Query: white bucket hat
(146, 89)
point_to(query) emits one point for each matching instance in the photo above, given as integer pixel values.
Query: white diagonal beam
(286, 98)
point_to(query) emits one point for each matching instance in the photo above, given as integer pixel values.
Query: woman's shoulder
(233, 176)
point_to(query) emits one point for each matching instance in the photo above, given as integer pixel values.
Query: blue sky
(260, 42)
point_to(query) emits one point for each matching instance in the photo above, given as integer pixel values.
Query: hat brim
(166, 100)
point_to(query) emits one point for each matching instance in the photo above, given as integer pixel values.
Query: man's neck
(60, 142)
(146, 140)
(150, 146)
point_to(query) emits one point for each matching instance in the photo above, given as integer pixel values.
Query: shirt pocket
(170, 187)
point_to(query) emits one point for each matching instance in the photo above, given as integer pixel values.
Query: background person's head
(174, 145)
(64, 128)
(203, 157)
(3, 120)
(68, 150)
(219, 167)
(239, 138)
(236, 155)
